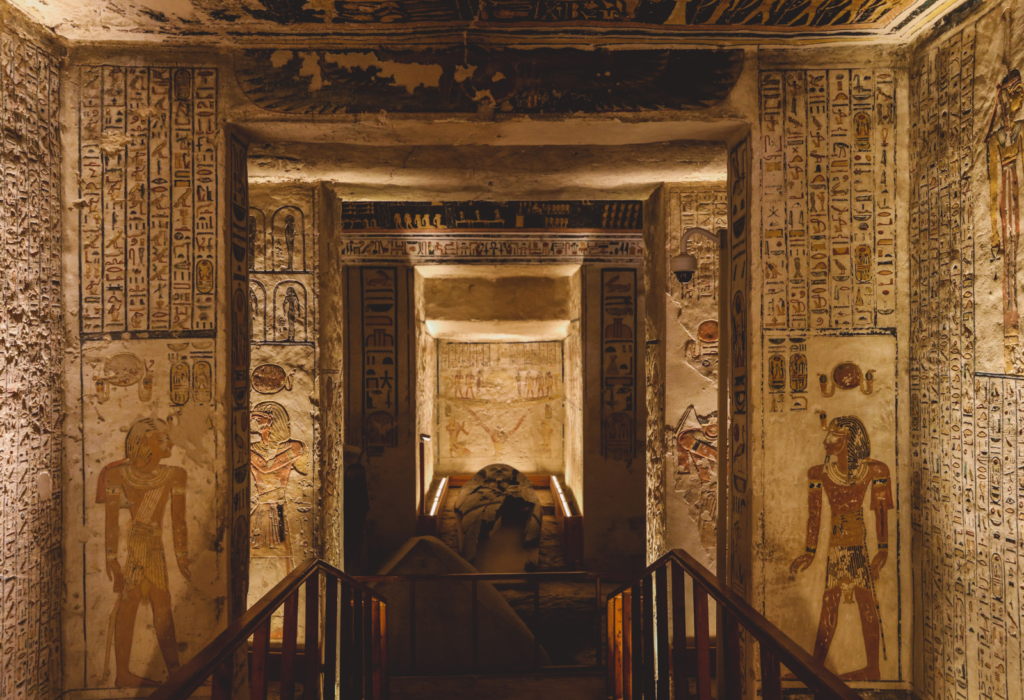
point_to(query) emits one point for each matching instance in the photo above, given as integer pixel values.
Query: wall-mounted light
(684, 265)
(437, 496)
(561, 495)
(424, 439)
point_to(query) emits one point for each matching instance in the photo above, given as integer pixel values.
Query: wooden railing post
(627, 645)
(378, 682)
(680, 674)
(289, 640)
(260, 651)
(345, 646)
(661, 618)
(383, 641)
(330, 637)
(636, 642)
(733, 656)
(311, 677)
(368, 646)
(610, 648)
(701, 634)
(355, 661)
(771, 680)
(650, 687)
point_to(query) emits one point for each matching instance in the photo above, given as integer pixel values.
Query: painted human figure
(1005, 161)
(272, 459)
(144, 485)
(289, 240)
(845, 477)
(292, 312)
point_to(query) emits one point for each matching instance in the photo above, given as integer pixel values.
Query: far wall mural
(500, 402)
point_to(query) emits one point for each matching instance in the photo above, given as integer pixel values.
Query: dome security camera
(683, 267)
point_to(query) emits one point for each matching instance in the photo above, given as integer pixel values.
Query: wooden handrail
(218, 655)
(637, 656)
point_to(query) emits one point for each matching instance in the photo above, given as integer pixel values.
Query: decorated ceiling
(251, 19)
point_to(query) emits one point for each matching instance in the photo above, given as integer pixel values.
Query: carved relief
(500, 402)
(618, 364)
(148, 185)
(33, 477)
(828, 216)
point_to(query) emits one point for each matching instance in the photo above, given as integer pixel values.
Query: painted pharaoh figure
(1005, 160)
(144, 485)
(272, 459)
(846, 475)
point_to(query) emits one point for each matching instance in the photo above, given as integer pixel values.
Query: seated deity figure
(496, 490)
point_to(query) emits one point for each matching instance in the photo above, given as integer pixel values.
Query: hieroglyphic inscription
(953, 417)
(709, 210)
(466, 247)
(148, 200)
(829, 198)
(737, 474)
(380, 357)
(239, 379)
(31, 484)
(618, 362)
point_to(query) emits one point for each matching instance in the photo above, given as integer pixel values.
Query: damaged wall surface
(31, 321)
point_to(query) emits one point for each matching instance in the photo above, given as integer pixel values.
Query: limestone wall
(150, 424)
(284, 463)
(965, 364)
(691, 375)
(31, 318)
(825, 496)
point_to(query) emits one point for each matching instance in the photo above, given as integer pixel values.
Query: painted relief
(464, 231)
(154, 551)
(829, 211)
(966, 427)
(142, 484)
(1005, 163)
(618, 365)
(847, 474)
(738, 465)
(239, 337)
(33, 476)
(695, 444)
(617, 216)
(693, 337)
(500, 402)
(148, 200)
(476, 77)
(839, 449)
(380, 358)
(282, 431)
(274, 457)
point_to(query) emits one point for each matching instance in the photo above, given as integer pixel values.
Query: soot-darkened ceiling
(238, 20)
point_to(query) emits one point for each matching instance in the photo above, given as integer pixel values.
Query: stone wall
(828, 562)
(152, 498)
(500, 403)
(285, 447)
(965, 365)
(31, 321)
(691, 374)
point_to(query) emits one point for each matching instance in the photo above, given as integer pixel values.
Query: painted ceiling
(242, 20)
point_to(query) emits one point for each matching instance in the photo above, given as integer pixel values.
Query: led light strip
(437, 496)
(561, 496)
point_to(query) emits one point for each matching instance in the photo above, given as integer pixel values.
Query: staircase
(323, 634)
